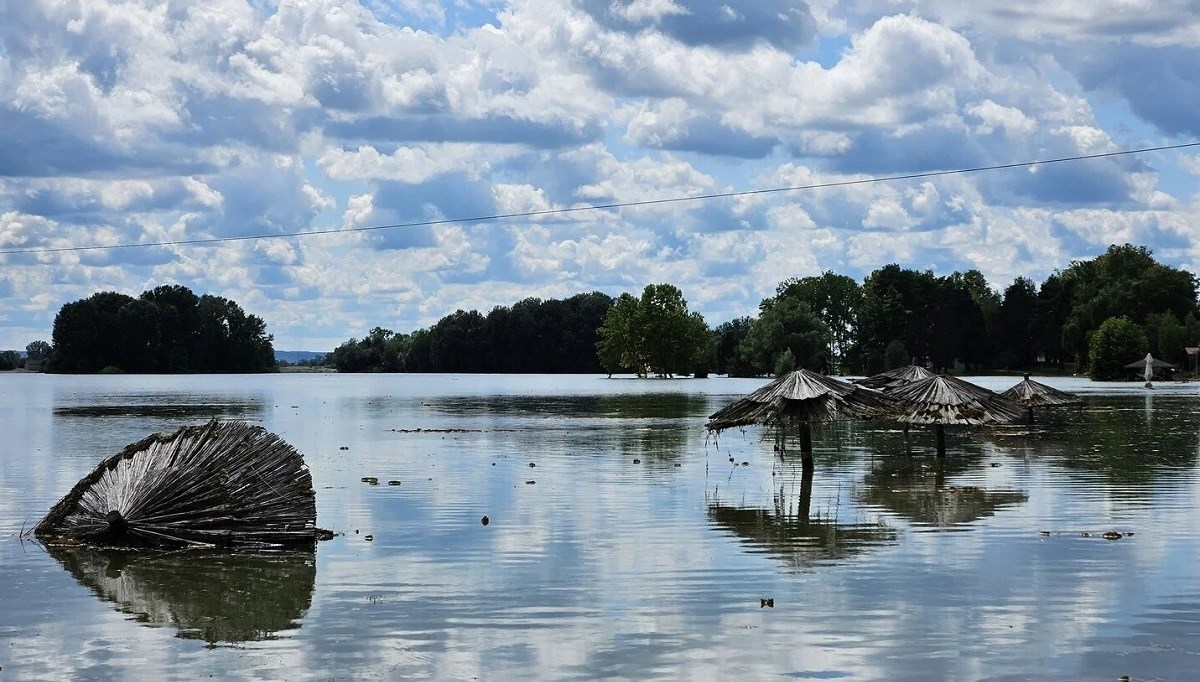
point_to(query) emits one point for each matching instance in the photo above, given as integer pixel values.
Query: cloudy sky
(143, 122)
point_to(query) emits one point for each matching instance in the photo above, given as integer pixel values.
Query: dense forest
(168, 329)
(1094, 315)
(532, 336)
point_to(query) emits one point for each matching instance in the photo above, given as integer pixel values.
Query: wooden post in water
(940, 430)
(806, 481)
(806, 451)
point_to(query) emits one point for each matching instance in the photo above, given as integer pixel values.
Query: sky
(141, 122)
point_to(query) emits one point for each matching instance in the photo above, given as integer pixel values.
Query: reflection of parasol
(1031, 394)
(793, 535)
(919, 493)
(943, 399)
(208, 595)
(895, 378)
(223, 483)
(801, 398)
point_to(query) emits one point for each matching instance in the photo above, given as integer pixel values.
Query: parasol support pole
(806, 481)
(806, 450)
(1030, 409)
(940, 431)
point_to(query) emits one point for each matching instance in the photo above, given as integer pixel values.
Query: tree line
(1095, 314)
(532, 336)
(168, 329)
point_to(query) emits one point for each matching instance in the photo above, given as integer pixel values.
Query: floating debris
(228, 484)
(531, 465)
(393, 482)
(766, 603)
(373, 480)
(344, 447)
(530, 482)
(485, 520)
(1111, 535)
(368, 538)
(637, 461)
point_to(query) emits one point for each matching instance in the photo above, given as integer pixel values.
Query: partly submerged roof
(1031, 393)
(219, 484)
(943, 399)
(804, 396)
(895, 378)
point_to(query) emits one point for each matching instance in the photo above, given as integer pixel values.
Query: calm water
(633, 549)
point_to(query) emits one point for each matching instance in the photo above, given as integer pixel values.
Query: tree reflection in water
(218, 597)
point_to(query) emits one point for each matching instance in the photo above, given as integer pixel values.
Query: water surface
(634, 547)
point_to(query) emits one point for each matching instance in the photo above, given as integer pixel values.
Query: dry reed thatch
(895, 378)
(223, 484)
(801, 396)
(944, 400)
(947, 400)
(1030, 394)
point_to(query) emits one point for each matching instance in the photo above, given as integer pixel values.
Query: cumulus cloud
(143, 122)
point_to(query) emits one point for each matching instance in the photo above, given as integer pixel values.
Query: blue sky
(148, 121)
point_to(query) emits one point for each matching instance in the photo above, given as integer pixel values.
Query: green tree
(1118, 342)
(655, 333)
(895, 355)
(10, 359)
(723, 347)
(787, 324)
(38, 350)
(1015, 338)
(836, 299)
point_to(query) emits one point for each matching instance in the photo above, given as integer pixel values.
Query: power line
(620, 204)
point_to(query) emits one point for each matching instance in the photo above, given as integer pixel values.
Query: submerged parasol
(216, 596)
(895, 378)
(801, 398)
(1031, 394)
(227, 484)
(943, 399)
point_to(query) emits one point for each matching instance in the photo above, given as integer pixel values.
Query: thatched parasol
(895, 378)
(943, 399)
(226, 484)
(1031, 394)
(801, 398)
(216, 596)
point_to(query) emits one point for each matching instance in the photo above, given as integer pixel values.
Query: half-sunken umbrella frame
(1031, 394)
(221, 484)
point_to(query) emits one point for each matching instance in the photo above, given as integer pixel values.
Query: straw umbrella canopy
(943, 399)
(1031, 394)
(801, 398)
(226, 484)
(895, 378)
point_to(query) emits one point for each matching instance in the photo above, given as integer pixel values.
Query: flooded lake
(621, 542)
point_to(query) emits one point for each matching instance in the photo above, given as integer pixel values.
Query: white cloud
(139, 122)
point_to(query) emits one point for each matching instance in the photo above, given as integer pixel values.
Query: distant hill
(297, 355)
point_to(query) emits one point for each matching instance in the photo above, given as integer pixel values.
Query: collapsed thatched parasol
(801, 398)
(895, 378)
(943, 399)
(227, 484)
(1031, 394)
(217, 596)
